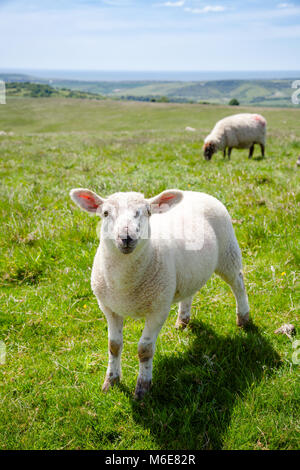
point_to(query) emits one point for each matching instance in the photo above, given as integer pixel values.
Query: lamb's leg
(229, 152)
(184, 313)
(146, 350)
(251, 150)
(230, 269)
(224, 153)
(115, 344)
(242, 307)
(262, 150)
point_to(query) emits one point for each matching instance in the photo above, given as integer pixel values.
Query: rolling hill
(247, 92)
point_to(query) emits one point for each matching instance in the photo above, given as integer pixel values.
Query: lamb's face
(125, 216)
(125, 220)
(209, 150)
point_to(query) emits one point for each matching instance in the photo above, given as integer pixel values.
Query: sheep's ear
(165, 201)
(86, 199)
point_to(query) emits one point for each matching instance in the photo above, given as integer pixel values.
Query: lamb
(237, 131)
(155, 252)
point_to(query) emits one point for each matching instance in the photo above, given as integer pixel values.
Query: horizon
(152, 75)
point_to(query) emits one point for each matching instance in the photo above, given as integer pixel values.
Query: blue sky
(150, 35)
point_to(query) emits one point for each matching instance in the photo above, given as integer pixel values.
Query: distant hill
(38, 90)
(247, 92)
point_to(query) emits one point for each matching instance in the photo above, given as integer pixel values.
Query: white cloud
(180, 3)
(206, 9)
(285, 5)
(117, 3)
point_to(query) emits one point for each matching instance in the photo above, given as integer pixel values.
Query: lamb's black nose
(126, 244)
(127, 241)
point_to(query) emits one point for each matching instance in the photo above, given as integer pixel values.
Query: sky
(150, 35)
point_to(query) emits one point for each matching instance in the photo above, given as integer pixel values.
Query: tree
(234, 102)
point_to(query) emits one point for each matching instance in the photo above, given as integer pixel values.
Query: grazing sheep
(237, 131)
(152, 253)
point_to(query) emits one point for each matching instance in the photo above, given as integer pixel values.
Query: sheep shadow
(191, 401)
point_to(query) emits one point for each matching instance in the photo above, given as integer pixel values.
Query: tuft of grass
(214, 386)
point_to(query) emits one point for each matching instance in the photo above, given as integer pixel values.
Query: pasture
(214, 386)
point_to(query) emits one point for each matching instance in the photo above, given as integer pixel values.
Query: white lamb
(238, 131)
(152, 253)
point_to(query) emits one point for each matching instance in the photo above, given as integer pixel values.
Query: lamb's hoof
(110, 382)
(242, 320)
(142, 387)
(182, 323)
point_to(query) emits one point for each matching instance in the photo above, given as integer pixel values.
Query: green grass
(214, 386)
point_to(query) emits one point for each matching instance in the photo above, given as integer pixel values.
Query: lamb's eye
(105, 213)
(137, 213)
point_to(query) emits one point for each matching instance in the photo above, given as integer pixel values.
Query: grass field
(214, 386)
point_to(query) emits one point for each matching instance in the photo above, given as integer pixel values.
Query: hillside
(37, 90)
(214, 386)
(247, 92)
